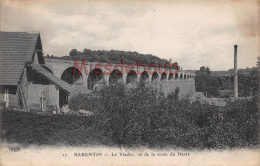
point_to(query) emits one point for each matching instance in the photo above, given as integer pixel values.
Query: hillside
(222, 73)
(114, 56)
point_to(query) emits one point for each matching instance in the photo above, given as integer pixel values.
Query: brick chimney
(235, 73)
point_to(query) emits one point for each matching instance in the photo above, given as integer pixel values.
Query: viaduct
(96, 76)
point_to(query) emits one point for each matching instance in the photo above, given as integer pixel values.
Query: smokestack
(235, 73)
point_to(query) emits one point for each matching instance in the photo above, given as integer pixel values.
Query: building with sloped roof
(25, 82)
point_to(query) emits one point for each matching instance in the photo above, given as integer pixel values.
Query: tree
(73, 52)
(88, 52)
(207, 70)
(205, 83)
(204, 69)
(248, 84)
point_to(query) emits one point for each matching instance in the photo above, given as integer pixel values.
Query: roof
(197, 96)
(62, 84)
(16, 48)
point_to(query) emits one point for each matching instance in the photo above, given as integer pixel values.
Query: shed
(24, 82)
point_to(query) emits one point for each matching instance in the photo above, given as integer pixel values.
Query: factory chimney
(235, 73)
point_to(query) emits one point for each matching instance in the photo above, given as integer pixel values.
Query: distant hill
(221, 73)
(228, 73)
(214, 73)
(114, 56)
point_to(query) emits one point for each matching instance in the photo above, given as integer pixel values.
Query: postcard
(133, 82)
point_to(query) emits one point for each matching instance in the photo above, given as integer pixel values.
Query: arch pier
(94, 75)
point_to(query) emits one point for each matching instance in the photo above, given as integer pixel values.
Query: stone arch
(68, 76)
(164, 83)
(144, 77)
(75, 80)
(155, 79)
(48, 68)
(163, 77)
(176, 76)
(131, 78)
(170, 76)
(59, 74)
(115, 77)
(95, 79)
(171, 82)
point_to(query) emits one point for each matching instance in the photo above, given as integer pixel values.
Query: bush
(140, 116)
(30, 128)
(144, 116)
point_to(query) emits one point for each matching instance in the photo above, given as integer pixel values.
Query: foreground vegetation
(139, 117)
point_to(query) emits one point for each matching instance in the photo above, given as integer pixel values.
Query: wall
(12, 94)
(42, 97)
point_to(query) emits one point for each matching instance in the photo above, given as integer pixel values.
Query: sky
(192, 33)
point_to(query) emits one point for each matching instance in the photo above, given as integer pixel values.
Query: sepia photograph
(129, 82)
